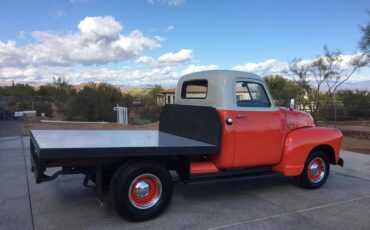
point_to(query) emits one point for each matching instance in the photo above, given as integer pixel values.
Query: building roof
(166, 91)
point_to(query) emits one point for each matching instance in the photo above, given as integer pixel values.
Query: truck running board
(234, 175)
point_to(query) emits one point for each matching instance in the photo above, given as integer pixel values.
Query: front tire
(141, 190)
(315, 172)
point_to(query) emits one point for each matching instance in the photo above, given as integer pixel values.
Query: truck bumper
(37, 166)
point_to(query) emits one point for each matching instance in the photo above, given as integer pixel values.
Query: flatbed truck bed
(184, 132)
(60, 144)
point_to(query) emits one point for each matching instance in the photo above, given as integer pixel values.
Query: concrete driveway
(343, 203)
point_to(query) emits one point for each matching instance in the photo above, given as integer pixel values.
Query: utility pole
(13, 85)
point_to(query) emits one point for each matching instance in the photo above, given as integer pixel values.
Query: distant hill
(352, 85)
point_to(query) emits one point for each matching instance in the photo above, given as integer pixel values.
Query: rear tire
(316, 171)
(141, 190)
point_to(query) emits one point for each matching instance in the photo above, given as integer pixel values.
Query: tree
(43, 107)
(21, 90)
(364, 43)
(94, 102)
(282, 89)
(152, 93)
(356, 103)
(59, 87)
(322, 77)
(63, 86)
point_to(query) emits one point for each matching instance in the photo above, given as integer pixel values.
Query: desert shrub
(24, 106)
(94, 102)
(356, 103)
(18, 90)
(43, 107)
(149, 112)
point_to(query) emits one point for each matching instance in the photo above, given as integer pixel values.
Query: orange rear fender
(300, 142)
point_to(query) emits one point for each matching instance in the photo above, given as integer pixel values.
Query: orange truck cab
(223, 126)
(255, 132)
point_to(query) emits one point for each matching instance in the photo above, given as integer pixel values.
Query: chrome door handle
(241, 116)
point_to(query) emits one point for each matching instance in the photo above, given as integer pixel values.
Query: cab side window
(195, 89)
(250, 94)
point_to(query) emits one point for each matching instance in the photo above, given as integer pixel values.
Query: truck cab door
(260, 126)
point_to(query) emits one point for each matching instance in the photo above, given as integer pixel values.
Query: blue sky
(214, 34)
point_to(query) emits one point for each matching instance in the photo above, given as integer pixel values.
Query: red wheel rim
(316, 170)
(145, 191)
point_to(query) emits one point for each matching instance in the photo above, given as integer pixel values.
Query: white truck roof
(221, 88)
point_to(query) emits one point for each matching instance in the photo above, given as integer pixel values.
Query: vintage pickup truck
(223, 126)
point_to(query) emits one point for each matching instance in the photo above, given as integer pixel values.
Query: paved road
(343, 203)
(9, 128)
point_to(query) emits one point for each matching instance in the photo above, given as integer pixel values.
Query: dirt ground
(34, 123)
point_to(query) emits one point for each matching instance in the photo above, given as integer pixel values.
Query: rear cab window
(195, 89)
(250, 94)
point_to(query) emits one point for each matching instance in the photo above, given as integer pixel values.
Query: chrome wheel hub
(316, 170)
(142, 189)
(145, 191)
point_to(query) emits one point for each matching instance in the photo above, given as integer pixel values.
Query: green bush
(149, 112)
(18, 90)
(24, 106)
(43, 107)
(94, 102)
(356, 103)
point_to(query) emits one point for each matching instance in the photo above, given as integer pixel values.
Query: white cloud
(100, 27)
(197, 68)
(272, 66)
(168, 59)
(99, 41)
(262, 68)
(168, 2)
(10, 55)
(184, 55)
(147, 60)
(170, 27)
(13, 73)
(166, 76)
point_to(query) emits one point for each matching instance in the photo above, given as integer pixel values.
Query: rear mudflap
(340, 162)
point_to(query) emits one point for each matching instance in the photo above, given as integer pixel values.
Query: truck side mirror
(291, 106)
